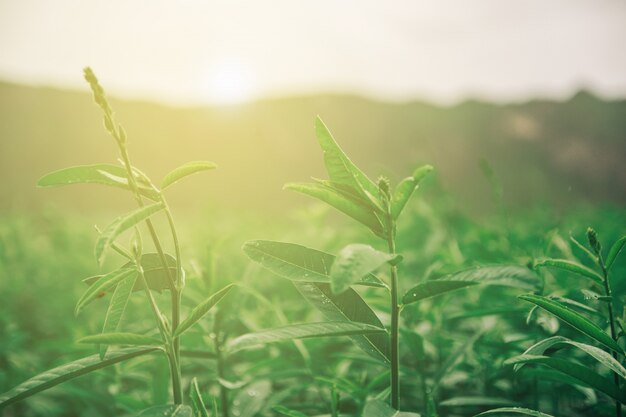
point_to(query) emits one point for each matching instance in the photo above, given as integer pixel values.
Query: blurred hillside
(541, 151)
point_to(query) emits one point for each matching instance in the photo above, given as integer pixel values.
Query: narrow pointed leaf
(339, 167)
(505, 275)
(353, 263)
(197, 404)
(614, 252)
(121, 224)
(570, 266)
(348, 306)
(116, 309)
(514, 410)
(297, 262)
(103, 284)
(288, 412)
(598, 354)
(185, 170)
(66, 372)
(121, 339)
(168, 410)
(434, 288)
(106, 174)
(574, 319)
(302, 331)
(475, 401)
(352, 208)
(580, 373)
(201, 309)
(405, 189)
(153, 271)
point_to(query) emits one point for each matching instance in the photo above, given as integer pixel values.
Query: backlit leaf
(571, 266)
(185, 170)
(169, 410)
(297, 262)
(116, 309)
(201, 309)
(514, 410)
(353, 263)
(106, 174)
(68, 371)
(339, 167)
(121, 339)
(364, 214)
(574, 319)
(197, 404)
(121, 224)
(405, 189)
(103, 284)
(433, 288)
(598, 354)
(583, 374)
(348, 306)
(614, 252)
(302, 331)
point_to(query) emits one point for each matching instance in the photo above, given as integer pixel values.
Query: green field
(512, 195)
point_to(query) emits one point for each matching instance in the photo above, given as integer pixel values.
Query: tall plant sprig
(143, 271)
(611, 353)
(324, 279)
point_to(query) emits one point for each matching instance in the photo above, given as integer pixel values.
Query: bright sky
(191, 51)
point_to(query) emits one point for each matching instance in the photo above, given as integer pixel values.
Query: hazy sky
(227, 51)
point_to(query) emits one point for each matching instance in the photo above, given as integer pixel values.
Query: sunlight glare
(228, 83)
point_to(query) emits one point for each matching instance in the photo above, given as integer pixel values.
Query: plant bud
(383, 186)
(592, 237)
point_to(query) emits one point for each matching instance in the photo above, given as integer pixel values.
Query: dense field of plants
(402, 304)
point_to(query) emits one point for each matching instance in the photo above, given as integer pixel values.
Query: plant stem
(607, 292)
(220, 364)
(175, 296)
(395, 315)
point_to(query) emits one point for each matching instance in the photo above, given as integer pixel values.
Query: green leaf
(579, 372)
(201, 309)
(116, 309)
(153, 271)
(598, 354)
(570, 266)
(288, 412)
(574, 319)
(405, 189)
(339, 167)
(66, 372)
(360, 211)
(614, 252)
(297, 262)
(250, 401)
(121, 224)
(121, 339)
(302, 331)
(433, 288)
(169, 410)
(185, 170)
(505, 275)
(514, 410)
(475, 401)
(103, 284)
(379, 408)
(350, 307)
(354, 262)
(197, 404)
(106, 174)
